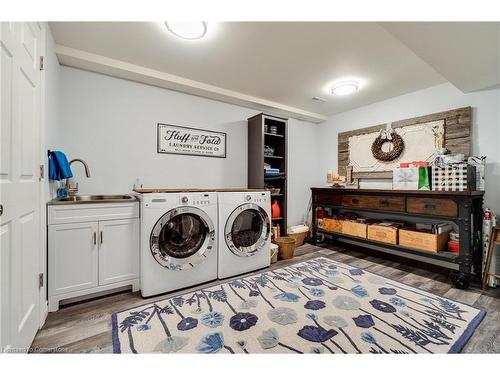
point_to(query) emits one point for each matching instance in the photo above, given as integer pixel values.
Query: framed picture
(174, 139)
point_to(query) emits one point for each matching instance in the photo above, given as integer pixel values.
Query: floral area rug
(317, 306)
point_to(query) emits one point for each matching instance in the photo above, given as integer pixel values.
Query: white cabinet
(118, 250)
(92, 248)
(73, 257)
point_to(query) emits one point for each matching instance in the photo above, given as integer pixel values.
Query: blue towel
(59, 168)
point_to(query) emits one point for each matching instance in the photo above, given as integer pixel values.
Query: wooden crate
(383, 234)
(423, 241)
(332, 225)
(353, 228)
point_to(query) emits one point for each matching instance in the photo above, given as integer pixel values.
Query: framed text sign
(174, 139)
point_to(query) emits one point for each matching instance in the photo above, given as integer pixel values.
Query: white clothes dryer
(244, 232)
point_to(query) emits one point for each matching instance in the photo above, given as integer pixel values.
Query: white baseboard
(44, 312)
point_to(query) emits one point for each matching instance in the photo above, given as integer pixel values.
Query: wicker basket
(299, 237)
(286, 247)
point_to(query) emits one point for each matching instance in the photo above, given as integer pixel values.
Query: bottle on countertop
(137, 184)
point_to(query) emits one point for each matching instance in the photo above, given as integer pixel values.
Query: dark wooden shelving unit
(258, 138)
(464, 208)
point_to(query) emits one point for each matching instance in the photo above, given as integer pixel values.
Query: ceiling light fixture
(344, 88)
(187, 30)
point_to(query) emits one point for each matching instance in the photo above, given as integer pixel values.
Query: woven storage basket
(299, 237)
(286, 247)
(274, 253)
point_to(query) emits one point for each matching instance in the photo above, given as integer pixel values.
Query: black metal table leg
(461, 279)
(314, 226)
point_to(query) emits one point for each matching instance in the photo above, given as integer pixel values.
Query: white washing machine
(244, 232)
(178, 241)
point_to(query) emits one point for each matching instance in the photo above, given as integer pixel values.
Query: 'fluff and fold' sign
(174, 139)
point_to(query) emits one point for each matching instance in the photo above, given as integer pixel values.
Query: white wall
(303, 155)
(485, 126)
(111, 124)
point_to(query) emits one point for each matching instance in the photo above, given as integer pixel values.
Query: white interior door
(118, 250)
(19, 183)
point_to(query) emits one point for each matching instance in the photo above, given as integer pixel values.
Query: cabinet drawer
(328, 199)
(379, 202)
(432, 206)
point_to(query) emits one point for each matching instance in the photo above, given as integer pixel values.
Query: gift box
(411, 178)
(405, 179)
(478, 162)
(454, 177)
(415, 163)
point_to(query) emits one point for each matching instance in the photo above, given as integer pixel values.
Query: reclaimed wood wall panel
(457, 136)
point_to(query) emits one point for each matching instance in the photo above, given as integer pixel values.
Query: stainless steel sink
(93, 199)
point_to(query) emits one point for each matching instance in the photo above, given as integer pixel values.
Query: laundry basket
(299, 233)
(274, 253)
(286, 247)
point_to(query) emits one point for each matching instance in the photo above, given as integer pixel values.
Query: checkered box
(454, 177)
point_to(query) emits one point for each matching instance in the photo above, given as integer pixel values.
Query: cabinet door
(73, 257)
(118, 250)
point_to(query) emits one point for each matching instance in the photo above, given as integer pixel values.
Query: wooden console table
(463, 208)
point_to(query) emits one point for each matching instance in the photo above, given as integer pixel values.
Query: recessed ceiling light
(187, 30)
(344, 88)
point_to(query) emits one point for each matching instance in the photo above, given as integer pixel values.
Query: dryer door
(247, 230)
(182, 238)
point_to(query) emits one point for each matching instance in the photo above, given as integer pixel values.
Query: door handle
(355, 201)
(1, 209)
(430, 206)
(384, 203)
(95, 238)
(101, 237)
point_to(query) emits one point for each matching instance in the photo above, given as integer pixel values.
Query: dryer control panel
(256, 198)
(202, 199)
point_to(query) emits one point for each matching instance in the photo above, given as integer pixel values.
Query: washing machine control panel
(261, 198)
(196, 200)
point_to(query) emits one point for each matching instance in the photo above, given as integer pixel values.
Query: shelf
(277, 218)
(266, 149)
(275, 176)
(399, 192)
(274, 135)
(444, 255)
(387, 212)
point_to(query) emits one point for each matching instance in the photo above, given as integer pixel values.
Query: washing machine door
(247, 230)
(182, 238)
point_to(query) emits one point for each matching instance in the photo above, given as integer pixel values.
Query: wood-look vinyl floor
(85, 327)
